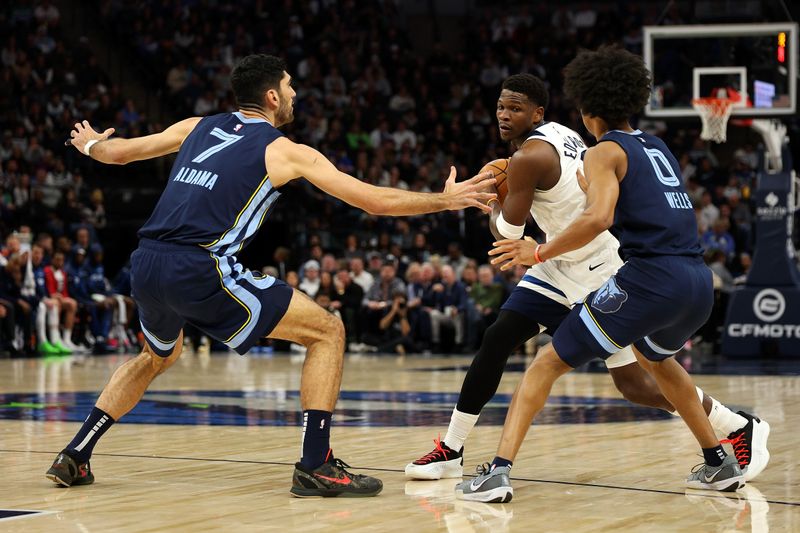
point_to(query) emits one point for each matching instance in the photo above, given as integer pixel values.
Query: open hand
(84, 133)
(514, 252)
(470, 193)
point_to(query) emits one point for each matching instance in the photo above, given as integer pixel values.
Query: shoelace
(740, 448)
(437, 452)
(341, 465)
(696, 468)
(482, 469)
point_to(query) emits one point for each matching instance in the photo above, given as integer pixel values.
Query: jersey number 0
(661, 167)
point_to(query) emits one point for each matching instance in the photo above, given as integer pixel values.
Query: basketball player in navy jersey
(225, 181)
(657, 299)
(542, 183)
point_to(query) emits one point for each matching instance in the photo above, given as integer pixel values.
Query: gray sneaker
(727, 477)
(491, 485)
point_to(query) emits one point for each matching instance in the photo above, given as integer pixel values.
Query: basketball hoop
(714, 112)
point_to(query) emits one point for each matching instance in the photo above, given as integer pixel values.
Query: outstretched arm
(604, 164)
(122, 151)
(287, 160)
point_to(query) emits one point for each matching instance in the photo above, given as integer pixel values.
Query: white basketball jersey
(555, 209)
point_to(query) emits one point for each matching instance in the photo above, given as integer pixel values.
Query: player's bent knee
(160, 363)
(320, 326)
(334, 331)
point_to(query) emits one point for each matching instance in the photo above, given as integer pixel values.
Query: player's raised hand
(470, 193)
(514, 252)
(83, 133)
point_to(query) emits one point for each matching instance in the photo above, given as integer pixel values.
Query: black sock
(92, 429)
(316, 437)
(499, 461)
(714, 456)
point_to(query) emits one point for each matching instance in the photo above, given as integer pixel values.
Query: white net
(714, 112)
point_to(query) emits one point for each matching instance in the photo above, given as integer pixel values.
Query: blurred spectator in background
(349, 295)
(720, 239)
(449, 308)
(487, 296)
(311, 282)
(395, 330)
(360, 277)
(379, 298)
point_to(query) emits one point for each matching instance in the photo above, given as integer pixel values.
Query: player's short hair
(253, 76)
(610, 83)
(530, 86)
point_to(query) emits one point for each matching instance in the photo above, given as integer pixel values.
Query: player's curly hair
(610, 83)
(530, 86)
(253, 76)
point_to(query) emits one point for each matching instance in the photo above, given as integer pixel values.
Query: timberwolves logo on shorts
(609, 298)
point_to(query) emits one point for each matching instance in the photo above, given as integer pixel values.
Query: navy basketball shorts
(547, 312)
(654, 303)
(173, 284)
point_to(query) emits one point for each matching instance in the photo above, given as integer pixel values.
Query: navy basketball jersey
(219, 192)
(654, 215)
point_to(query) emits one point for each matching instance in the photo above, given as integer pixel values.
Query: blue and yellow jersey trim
(236, 222)
(597, 331)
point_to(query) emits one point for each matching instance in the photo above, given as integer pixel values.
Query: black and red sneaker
(330, 479)
(750, 445)
(441, 462)
(67, 472)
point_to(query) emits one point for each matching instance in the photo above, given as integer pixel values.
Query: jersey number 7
(227, 140)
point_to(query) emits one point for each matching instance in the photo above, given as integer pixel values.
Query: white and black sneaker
(442, 462)
(750, 446)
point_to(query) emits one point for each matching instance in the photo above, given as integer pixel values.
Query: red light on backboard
(781, 47)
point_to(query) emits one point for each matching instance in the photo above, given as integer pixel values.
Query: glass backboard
(754, 63)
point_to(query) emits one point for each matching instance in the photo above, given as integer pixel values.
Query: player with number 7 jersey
(224, 183)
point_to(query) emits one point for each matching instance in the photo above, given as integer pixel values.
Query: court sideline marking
(398, 471)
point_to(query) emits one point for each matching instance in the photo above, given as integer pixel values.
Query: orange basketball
(498, 167)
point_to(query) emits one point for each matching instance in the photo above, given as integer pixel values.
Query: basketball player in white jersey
(543, 182)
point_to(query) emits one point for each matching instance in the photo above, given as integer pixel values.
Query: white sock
(122, 310)
(41, 329)
(52, 319)
(700, 394)
(458, 431)
(66, 335)
(723, 420)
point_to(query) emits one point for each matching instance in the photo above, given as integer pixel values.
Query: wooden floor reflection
(212, 448)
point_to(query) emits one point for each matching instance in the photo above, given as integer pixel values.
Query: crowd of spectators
(55, 298)
(54, 294)
(381, 107)
(404, 299)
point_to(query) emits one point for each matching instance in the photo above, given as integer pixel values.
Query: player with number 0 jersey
(658, 298)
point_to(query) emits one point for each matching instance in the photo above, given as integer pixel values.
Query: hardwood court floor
(212, 445)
